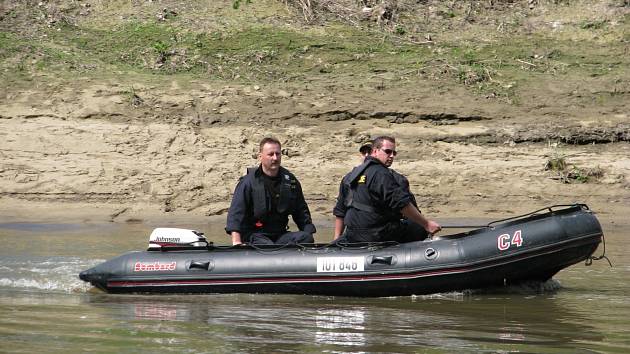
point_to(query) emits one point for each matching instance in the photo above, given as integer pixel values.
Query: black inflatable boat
(531, 247)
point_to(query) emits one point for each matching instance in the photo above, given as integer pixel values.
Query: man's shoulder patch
(361, 179)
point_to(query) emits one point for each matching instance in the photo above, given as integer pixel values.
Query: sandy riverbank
(478, 138)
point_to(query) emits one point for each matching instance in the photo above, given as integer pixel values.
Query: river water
(45, 308)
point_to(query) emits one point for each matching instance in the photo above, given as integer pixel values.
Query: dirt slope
(499, 108)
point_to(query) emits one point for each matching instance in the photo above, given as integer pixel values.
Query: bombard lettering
(154, 266)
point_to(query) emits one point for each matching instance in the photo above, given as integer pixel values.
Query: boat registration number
(340, 264)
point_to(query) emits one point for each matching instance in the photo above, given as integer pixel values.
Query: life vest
(261, 204)
(351, 183)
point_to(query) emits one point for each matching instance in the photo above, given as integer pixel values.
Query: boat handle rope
(464, 226)
(590, 259)
(373, 246)
(489, 225)
(271, 248)
(307, 248)
(549, 208)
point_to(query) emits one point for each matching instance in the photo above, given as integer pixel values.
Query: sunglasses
(389, 152)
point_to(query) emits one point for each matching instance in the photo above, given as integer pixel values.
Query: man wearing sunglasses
(372, 201)
(340, 207)
(264, 199)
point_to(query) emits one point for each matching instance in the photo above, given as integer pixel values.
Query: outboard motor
(164, 238)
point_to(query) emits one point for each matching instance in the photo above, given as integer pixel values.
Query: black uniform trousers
(291, 238)
(402, 231)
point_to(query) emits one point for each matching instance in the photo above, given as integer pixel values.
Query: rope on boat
(590, 259)
(549, 209)
(464, 226)
(310, 247)
(362, 245)
(316, 247)
(489, 225)
(272, 249)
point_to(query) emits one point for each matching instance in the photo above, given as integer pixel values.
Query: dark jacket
(251, 208)
(341, 208)
(376, 197)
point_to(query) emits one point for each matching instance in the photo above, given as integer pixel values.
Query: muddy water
(44, 307)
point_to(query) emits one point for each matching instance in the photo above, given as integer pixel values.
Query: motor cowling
(168, 237)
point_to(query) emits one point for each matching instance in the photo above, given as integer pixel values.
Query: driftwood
(379, 11)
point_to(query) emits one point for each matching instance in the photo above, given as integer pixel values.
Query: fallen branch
(524, 62)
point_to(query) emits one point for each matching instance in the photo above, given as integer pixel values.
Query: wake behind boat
(532, 247)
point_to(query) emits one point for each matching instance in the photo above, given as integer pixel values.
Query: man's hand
(412, 213)
(432, 227)
(236, 238)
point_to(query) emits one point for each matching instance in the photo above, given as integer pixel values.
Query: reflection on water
(44, 307)
(161, 312)
(344, 327)
(271, 322)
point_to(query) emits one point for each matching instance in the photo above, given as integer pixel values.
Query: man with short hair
(264, 199)
(340, 208)
(372, 201)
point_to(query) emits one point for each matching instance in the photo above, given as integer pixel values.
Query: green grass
(498, 68)
(257, 53)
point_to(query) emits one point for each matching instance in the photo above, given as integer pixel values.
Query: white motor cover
(174, 237)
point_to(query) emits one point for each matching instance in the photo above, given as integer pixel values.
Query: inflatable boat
(531, 247)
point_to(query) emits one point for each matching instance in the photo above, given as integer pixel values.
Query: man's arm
(339, 211)
(412, 213)
(404, 182)
(301, 215)
(339, 226)
(236, 213)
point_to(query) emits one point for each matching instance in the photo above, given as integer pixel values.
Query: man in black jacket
(375, 204)
(264, 199)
